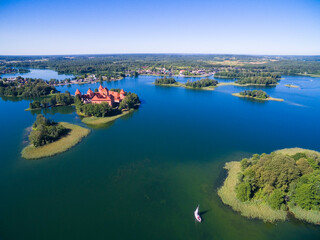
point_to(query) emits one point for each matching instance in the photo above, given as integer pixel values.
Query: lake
(45, 74)
(142, 176)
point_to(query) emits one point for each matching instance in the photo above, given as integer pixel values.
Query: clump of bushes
(45, 131)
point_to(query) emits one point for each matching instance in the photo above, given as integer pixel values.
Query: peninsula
(49, 138)
(268, 186)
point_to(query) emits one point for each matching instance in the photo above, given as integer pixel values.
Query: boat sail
(196, 215)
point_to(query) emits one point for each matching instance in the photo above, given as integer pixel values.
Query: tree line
(281, 180)
(59, 99)
(206, 82)
(165, 80)
(26, 88)
(255, 94)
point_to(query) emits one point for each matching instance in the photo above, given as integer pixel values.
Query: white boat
(196, 214)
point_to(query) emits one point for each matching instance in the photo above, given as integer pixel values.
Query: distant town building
(103, 95)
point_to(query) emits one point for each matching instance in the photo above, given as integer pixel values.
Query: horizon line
(94, 54)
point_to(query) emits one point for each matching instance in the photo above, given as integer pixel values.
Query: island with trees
(205, 84)
(257, 94)
(54, 100)
(104, 106)
(269, 186)
(48, 138)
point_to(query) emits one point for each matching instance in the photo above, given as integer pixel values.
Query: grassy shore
(103, 120)
(253, 209)
(305, 215)
(292, 151)
(291, 86)
(75, 135)
(265, 99)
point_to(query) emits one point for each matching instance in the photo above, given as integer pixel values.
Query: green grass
(76, 134)
(310, 216)
(103, 120)
(292, 151)
(252, 209)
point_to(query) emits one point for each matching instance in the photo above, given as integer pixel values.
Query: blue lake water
(45, 74)
(143, 175)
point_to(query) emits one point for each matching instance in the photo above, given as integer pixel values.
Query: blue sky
(35, 27)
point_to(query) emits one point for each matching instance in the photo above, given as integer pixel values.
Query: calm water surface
(142, 176)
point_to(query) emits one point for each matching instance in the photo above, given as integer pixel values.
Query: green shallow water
(142, 176)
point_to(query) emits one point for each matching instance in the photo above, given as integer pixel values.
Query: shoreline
(267, 99)
(247, 209)
(96, 121)
(63, 144)
(257, 208)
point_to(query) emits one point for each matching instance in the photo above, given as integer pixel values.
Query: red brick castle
(103, 95)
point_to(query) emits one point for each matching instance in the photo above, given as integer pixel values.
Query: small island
(49, 138)
(52, 100)
(204, 84)
(291, 86)
(104, 106)
(257, 94)
(268, 186)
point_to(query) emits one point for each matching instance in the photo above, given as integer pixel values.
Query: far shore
(266, 99)
(75, 135)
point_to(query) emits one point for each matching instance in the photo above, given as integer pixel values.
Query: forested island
(165, 81)
(48, 138)
(206, 83)
(257, 94)
(55, 100)
(268, 186)
(26, 88)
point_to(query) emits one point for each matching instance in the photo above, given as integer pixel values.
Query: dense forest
(29, 88)
(281, 180)
(258, 80)
(202, 83)
(165, 80)
(255, 94)
(59, 99)
(45, 131)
